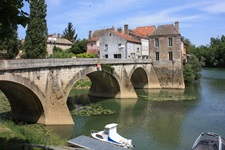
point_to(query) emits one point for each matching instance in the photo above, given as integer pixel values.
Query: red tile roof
(144, 31)
(93, 40)
(126, 37)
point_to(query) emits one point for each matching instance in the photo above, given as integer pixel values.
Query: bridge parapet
(55, 62)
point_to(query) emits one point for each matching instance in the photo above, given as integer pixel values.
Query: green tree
(218, 47)
(192, 70)
(79, 47)
(8, 45)
(70, 33)
(188, 74)
(11, 14)
(35, 45)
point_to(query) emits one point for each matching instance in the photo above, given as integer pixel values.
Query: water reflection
(154, 121)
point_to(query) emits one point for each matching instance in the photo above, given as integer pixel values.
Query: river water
(166, 124)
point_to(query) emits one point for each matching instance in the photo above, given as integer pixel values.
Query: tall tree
(11, 14)
(35, 45)
(70, 33)
(8, 45)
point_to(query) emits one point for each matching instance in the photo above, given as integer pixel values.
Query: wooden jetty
(92, 144)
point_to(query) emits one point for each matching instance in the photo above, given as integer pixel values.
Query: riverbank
(15, 135)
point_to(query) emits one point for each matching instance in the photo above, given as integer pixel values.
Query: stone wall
(170, 75)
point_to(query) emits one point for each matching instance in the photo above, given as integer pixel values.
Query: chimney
(113, 28)
(177, 26)
(54, 35)
(126, 30)
(59, 35)
(90, 35)
(120, 30)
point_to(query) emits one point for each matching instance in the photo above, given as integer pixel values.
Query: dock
(89, 143)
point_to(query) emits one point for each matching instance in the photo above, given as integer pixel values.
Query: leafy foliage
(192, 70)
(79, 47)
(8, 45)
(84, 55)
(59, 53)
(36, 35)
(213, 55)
(107, 68)
(11, 14)
(70, 33)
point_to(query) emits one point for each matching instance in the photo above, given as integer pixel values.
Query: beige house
(58, 41)
(166, 50)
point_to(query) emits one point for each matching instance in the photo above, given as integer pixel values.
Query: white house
(119, 45)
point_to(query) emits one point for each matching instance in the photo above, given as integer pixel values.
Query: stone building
(59, 42)
(166, 50)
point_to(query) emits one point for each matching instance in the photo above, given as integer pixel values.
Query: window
(156, 42)
(106, 55)
(170, 56)
(157, 56)
(119, 46)
(138, 50)
(170, 41)
(117, 55)
(91, 44)
(106, 47)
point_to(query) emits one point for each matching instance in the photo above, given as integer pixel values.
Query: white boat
(209, 141)
(110, 135)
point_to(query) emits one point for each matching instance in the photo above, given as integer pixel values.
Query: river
(159, 125)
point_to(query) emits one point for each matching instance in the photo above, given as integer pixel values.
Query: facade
(119, 45)
(60, 42)
(141, 34)
(166, 50)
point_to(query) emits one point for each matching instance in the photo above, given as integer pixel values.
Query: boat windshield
(106, 131)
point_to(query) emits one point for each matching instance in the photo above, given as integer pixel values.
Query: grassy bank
(15, 135)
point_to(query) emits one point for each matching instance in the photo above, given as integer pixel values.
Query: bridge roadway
(37, 89)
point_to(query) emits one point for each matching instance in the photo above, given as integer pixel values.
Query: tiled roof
(144, 31)
(93, 40)
(97, 33)
(61, 41)
(165, 30)
(126, 37)
(134, 32)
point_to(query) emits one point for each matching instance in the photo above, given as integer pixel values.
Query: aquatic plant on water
(168, 97)
(91, 110)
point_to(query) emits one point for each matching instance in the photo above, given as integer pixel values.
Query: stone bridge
(37, 89)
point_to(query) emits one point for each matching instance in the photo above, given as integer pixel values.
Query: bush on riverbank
(192, 70)
(91, 110)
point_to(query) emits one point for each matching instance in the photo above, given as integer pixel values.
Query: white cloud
(215, 8)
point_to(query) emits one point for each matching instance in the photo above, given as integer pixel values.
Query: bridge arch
(103, 84)
(139, 77)
(25, 105)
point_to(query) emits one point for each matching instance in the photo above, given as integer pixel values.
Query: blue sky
(199, 19)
